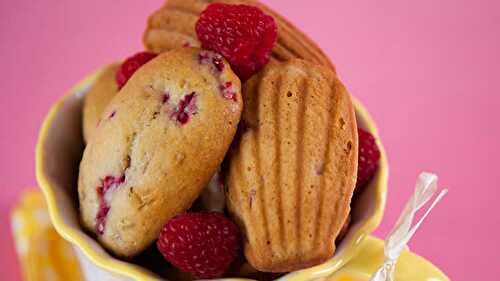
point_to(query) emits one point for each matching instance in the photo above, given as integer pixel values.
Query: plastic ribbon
(403, 231)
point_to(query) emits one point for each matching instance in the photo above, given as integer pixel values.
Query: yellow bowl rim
(124, 268)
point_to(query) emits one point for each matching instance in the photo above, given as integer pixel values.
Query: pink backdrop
(427, 70)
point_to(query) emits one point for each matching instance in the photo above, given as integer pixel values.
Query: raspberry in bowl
(247, 44)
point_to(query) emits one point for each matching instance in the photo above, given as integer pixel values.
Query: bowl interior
(59, 150)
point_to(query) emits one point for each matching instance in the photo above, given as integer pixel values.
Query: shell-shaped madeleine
(293, 169)
(172, 26)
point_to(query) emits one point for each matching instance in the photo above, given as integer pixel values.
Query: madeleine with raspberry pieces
(161, 139)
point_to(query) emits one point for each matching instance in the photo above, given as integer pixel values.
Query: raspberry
(130, 65)
(369, 155)
(227, 91)
(203, 243)
(108, 184)
(243, 34)
(185, 109)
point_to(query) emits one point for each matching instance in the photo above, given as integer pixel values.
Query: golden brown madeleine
(98, 96)
(293, 170)
(172, 26)
(161, 139)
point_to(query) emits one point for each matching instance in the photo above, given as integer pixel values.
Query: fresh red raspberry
(243, 34)
(130, 65)
(203, 243)
(369, 156)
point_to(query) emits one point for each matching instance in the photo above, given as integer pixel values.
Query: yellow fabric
(43, 254)
(345, 278)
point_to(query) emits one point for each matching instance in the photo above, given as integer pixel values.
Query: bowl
(58, 153)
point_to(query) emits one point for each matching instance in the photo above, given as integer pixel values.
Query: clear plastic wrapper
(404, 229)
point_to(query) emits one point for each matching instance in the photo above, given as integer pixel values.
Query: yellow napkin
(43, 254)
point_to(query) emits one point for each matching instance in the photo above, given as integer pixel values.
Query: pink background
(427, 70)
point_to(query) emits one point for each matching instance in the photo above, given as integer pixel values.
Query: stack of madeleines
(273, 130)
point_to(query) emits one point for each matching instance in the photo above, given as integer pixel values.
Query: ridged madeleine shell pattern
(173, 26)
(293, 170)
